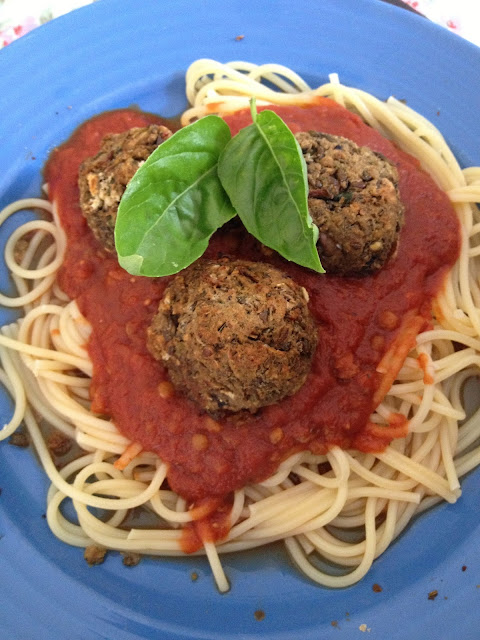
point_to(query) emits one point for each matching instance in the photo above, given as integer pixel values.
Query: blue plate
(116, 53)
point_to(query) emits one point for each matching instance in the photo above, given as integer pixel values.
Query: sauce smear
(358, 319)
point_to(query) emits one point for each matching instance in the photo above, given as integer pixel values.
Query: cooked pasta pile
(334, 524)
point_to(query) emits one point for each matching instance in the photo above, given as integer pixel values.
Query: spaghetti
(45, 367)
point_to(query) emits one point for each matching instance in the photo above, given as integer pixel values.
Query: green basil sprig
(178, 198)
(174, 202)
(264, 173)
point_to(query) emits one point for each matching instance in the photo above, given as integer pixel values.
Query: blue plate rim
(37, 596)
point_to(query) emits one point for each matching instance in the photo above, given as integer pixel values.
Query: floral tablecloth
(18, 17)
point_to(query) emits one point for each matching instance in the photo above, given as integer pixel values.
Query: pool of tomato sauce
(354, 317)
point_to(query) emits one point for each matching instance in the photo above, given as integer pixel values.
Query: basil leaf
(264, 173)
(174, 202)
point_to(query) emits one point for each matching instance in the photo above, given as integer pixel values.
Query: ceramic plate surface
(116, 53)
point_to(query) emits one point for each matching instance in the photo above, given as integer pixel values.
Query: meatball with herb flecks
(354, 201)
(102, 179)
(234, 335)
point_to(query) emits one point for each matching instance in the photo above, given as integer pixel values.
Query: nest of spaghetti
(259, 360)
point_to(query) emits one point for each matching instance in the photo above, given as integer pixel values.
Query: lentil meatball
(234, 335)
(354, 201)
(102, 179)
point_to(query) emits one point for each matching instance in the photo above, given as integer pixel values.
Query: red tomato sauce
(358, 318)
